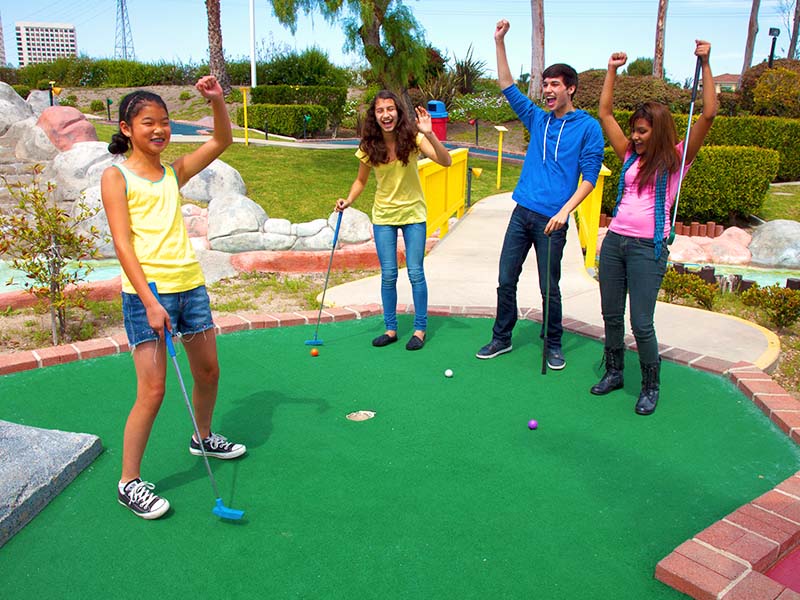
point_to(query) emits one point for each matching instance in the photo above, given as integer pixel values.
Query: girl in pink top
(633, 258)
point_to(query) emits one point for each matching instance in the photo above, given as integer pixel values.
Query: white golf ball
(448, 373)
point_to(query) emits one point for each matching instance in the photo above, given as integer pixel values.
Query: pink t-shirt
(636, 213)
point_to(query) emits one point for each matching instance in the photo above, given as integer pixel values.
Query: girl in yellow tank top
(142, 202)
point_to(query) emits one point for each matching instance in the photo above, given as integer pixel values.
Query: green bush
(777, 94)
(185, 95)
(71, 100)
(630, 92)
(97, 106)
(285, 119)
(751, 76)
(485, 106)
(333, 98)
(688, 286)
(729, 104)
(780, 305)
(22, 90)
(9, 75)
(311, 67)
(85, 72)
(723, 182)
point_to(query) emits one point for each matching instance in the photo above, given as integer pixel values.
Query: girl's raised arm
(431, 146)
(616, 137)
(703, 124)
(191, 164)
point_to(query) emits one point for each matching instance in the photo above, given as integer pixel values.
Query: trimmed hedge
(332, 98)
(284, 119)
(724, 181)
(774, 133)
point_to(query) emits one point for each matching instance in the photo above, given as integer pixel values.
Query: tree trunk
(792, 53)
(216, 57)
(661, 28)
(537, 49)
(752, 30)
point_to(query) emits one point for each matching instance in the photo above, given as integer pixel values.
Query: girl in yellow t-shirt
(390, 145)
(142, 203)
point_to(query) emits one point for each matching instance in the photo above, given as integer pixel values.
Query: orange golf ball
(314, 352)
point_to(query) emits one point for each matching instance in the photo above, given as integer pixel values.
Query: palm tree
(661, 28)
(537, 49)
(792, 53)
(752, 30)
(216, 62)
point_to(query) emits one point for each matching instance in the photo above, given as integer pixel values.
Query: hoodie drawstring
(558, 140)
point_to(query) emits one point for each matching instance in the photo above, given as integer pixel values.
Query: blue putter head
(224, 512)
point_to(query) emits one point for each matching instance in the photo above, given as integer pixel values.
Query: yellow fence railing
(588, 217)
(445, 190)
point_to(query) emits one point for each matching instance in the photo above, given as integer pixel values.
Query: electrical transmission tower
(123, 44)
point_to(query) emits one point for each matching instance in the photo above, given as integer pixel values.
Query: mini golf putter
(316, 341)
(219, 509)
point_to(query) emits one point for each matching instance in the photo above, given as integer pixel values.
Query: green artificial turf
(445, 493)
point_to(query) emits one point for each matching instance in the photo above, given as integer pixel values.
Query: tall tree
(216, 57)
(792, 53)
(537, 49)
(661, 30)
(752, 30)
(384, 30)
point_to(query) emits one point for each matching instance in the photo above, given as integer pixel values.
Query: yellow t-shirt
(158, 234)
(399, 199)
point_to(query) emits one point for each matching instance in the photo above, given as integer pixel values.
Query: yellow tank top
(398, 199)
(159, 236)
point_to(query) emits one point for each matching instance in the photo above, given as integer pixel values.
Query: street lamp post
(774, 32)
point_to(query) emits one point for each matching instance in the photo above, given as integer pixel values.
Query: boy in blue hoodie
(564, 144)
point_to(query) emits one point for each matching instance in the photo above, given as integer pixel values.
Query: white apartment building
(2, 45)
(44, 42)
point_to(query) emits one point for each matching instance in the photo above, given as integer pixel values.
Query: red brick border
(727, 560)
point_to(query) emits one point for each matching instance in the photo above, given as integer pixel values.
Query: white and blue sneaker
(138, 496)
(217, 446)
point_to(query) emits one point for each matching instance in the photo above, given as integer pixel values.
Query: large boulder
(12, 107)
(39, 101)
(322, 240)
(233, 214)
(66, 126)
(216, 180)
(92, 200)
(355, 228)
(34, 145)
(777, 244)
(685, 250)
(727, 251)
(79, 168)
(215, 265)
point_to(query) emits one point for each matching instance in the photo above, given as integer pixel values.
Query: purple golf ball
(533, 424)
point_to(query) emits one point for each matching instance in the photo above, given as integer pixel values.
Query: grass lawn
(782, 202)
(302, 184)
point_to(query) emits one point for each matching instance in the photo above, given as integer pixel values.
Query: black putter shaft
(546, 319)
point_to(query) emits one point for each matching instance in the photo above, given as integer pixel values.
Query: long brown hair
(372, 143)
(661, 154)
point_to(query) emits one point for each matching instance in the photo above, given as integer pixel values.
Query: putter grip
(167, 333)
(697, 70)
(336, 232)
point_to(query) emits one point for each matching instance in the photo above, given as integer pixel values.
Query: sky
(582, 33)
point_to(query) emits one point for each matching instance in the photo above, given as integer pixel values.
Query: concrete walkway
(461, 270)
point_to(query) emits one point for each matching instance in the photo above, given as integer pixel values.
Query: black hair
(567, 74)
(129, 107)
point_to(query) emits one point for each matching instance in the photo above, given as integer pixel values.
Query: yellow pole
(500, 130)
(244, 102)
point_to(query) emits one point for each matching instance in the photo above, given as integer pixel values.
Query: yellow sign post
(500, 130)
(244, 103)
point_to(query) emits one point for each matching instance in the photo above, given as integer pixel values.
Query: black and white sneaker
(139, 497)
(492, 349)
(217, 446)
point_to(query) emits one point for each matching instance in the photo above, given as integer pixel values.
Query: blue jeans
(526, 229)
(189, 312)
(414, 236)
(628, 266)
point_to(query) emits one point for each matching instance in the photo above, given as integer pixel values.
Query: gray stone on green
(35, 466)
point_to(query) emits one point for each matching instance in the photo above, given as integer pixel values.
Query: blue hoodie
(560, 150)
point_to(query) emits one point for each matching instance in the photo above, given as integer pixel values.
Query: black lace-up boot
(648, 398)
(612, 379)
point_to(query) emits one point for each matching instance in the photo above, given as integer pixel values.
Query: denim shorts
(189, 312)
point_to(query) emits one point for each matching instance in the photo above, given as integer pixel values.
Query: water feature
(762, 276)
(102, 270)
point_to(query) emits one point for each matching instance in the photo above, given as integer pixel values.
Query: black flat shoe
(415, 343)
(384, 340)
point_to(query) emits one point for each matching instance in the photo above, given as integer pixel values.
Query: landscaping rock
(356, 226)
(278, 241)
(232, 214)
(12, 107)
(320, 241)
(34, 145)
(79, 168)
(215, 265)
(91, 198)
(239, 242)
(35, 466)
(217, 180)
(39, 100)
(685, 250)
(280, 226)
(66, 126)
(777, 244)
(309, 229)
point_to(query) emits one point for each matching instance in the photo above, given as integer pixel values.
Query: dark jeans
(526, 229)
(628, 265)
